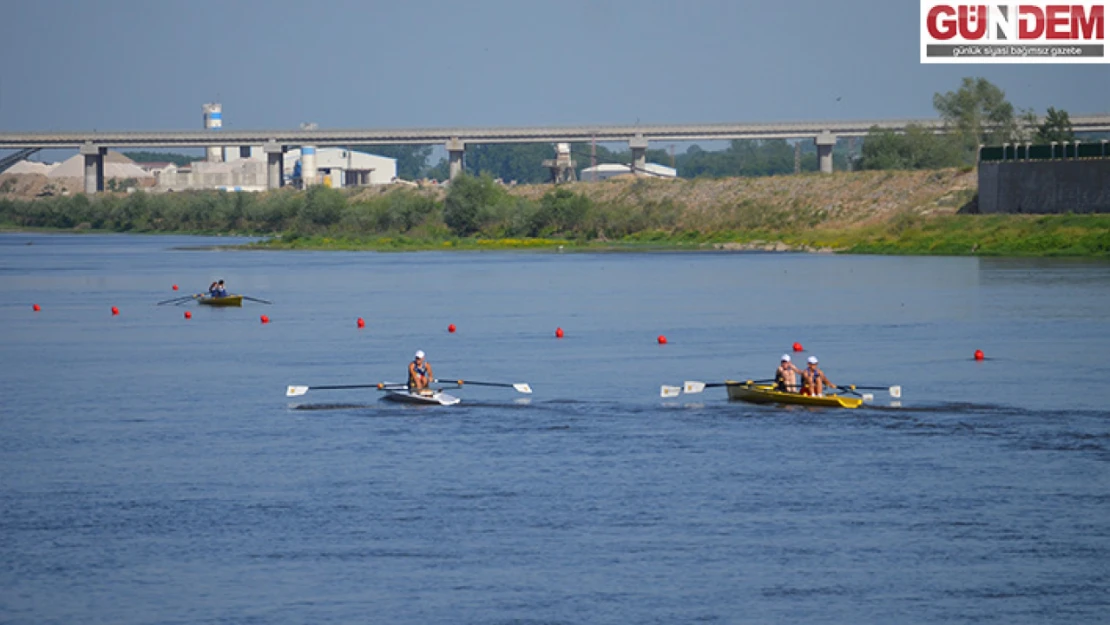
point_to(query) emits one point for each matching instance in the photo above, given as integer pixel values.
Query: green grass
(905, 234)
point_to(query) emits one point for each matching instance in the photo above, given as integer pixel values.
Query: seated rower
(420, 374)
(786, 380)
(814, 380)
(221, 291)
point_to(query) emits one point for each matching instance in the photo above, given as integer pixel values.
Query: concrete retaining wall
(1081, 186)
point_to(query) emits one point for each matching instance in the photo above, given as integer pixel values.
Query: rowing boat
(228, 300)
(406, 396)
(766, 394)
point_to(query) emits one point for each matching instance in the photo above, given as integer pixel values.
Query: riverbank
(939, 235)
(917, 212)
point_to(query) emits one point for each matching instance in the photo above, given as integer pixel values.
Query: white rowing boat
(405, 396)
(401, 393)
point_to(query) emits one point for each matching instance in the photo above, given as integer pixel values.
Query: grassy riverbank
(916, 212)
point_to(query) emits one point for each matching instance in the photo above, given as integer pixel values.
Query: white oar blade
(896, 391)
(693, 387)
(522, 387)
(670, 391)
(296, 391)
(868, 397)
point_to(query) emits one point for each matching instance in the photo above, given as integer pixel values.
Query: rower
(786, 380)
(813, 379)
(217, 289)
(420, 374)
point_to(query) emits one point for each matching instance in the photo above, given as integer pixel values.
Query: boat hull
(438, 398)
(766, 394)
(230, 300)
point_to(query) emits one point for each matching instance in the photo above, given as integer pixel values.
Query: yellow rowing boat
(229, 300)
(766, 394)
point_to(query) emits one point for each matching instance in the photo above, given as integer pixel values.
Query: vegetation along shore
(887, 212)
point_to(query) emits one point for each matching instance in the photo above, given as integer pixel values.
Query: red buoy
(451, 328)
(36, 308)
(264, 319)
(798, 347)
(662, 340)
(558, 333)
(115, 311)
(979, 354)
(175, 287)
(361, 323)
(188, 315)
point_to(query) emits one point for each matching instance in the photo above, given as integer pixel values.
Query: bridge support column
(456, 150)
(638, 145)
(94, 167)
(275, 165)
(825, 143)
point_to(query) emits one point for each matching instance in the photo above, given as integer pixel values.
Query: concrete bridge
(93, 145)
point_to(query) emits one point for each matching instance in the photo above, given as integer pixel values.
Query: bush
(466, 197)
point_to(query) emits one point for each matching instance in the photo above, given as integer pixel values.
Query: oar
(697, 387)
(895, 391)
(176, 299)
(191, 297)
(297, 391)
(670, 391)
(255, 299)
(520, 387)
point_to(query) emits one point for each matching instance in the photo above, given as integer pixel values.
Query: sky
(150, 65)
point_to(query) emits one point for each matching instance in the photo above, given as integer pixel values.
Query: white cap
(419, 353)
(812, 360)
(786, 357)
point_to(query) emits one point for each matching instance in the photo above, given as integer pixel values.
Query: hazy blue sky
(122, 64)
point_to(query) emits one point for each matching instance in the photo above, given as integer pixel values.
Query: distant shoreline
(916, 213)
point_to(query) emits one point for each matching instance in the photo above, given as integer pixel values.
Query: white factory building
(606, 171)
(243, 171)
(339, 167)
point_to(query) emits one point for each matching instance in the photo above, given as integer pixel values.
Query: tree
(1056, 127)
(466, 197)
(412, 160)
(522, 162)
(917, 148)
(979, 113)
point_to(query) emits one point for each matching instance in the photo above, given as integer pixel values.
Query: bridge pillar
(275, 165)
(94, 167)
(825, 143)
(638, 145)
(456, 149)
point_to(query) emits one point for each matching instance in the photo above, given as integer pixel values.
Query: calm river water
(153, 471)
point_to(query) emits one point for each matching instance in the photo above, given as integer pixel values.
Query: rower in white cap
(786, 380)
(813, 379)
(420, 373)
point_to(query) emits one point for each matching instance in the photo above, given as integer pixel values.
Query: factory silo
(308, 165)
(213, 120)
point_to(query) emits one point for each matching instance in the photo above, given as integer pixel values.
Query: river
(153, 470)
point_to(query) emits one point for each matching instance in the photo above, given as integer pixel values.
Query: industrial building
(612, 170)
(337, 167)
